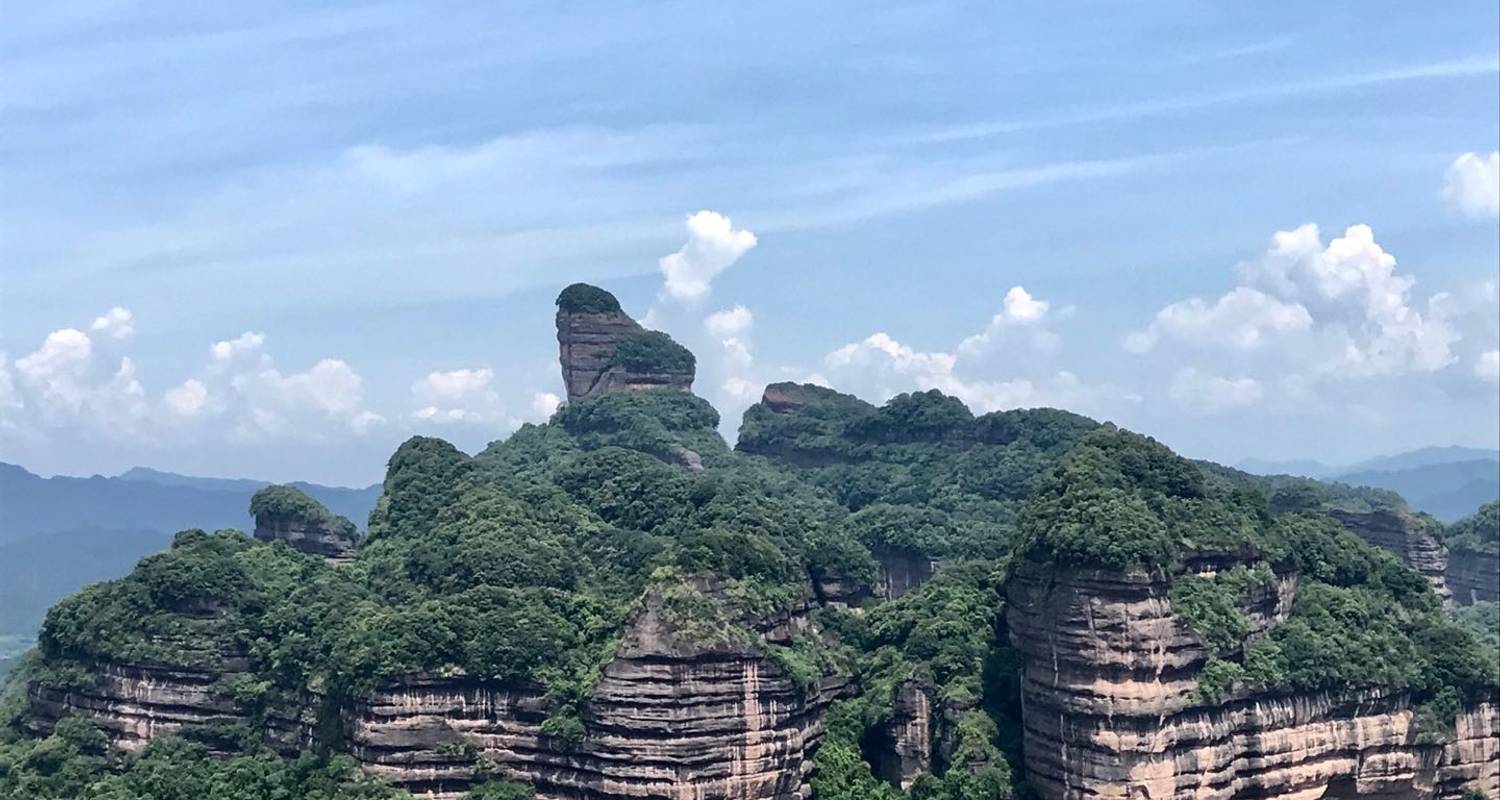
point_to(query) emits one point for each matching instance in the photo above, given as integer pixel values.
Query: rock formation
(672, 718)
(319, 537)
(1112, 709)
(1473, 576)
(602, 349)
(1405, 535)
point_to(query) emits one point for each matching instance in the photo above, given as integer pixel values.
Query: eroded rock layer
(314, 537)
(588, 342)
(1406, 536)
(1473, 576)
(671, 718)
(1112, 710)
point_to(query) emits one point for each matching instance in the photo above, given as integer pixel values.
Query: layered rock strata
(1472, 576)
(588, 340)
(1406, 536)
(1112, 710)
(314, 537)
(671, 718)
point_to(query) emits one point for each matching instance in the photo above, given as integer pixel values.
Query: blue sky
(330, 226)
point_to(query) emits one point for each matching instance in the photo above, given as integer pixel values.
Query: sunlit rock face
(1112, 709)
(671, 718)
(590, 330)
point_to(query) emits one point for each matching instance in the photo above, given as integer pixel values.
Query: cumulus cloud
(544, 404)
(1202, 393)
(713, 245)
(1021, 318)
(117, 323)
(1243, 319)
(78, 386)
(1487, 366)
(459, 395)
(880, 366)
(1472, 185)
(1340, 310)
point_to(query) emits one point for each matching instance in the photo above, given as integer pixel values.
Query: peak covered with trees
(856, 555)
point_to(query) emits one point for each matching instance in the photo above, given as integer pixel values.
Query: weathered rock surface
(1473, 576)
(587, 342)
(314, 537)
(670, 719)
(906, 743)
(1112, 710)
(1406, 536)
(899, 573)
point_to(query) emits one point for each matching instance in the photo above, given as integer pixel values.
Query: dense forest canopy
(521, 565)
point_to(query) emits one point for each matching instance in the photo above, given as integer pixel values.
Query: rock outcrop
(1473, 576)
(1112, 709)
(602, 349)
(319, 537)
(906, 741)
(671, 718)
(1405, 535)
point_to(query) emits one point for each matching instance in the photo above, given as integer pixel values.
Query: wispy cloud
(1460, 68)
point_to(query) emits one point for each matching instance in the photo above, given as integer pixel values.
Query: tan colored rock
(1405, 535)
(1112, 710)
(587, 340)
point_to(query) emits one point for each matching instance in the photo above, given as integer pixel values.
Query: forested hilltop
(848, 604)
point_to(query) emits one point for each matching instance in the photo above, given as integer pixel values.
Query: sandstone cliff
(602, 349)
(1405, 535)
(673, 716)
(1473, 576)
(1112, 709)
(313, 537)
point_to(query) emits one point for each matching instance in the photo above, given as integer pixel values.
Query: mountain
(1446, 490)
(906, 601)
(144, 499)
(59, 534)
(1304, 467)
(1423, 457)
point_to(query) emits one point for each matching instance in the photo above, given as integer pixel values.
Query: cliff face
(1406, 536)
(1112, 709)
(313, 537)
(588, 342)
(671, 718)
(1473, 576)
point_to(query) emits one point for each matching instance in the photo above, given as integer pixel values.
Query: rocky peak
(286, 514)
(602, 349)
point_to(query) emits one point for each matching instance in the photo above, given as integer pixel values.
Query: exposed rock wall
(671, 719)
(906, 746)
(1406, 536)
(307, 536)
(1473, 576)
(586, 349)
(1112, 710)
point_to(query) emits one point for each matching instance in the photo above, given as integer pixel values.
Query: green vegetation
(651, 352)
(289, 501)
(519, 566)
(1479, 532)
(582, 298)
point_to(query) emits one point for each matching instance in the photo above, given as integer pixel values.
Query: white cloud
(187, 400)
(460, 395)
(1472, 185)
(117, 323)
(1202, 393)
(57, 370)
(1242, 319)
(879, 366)
(1487, 366)
(1342, 310)
(544, 404)
(1021, 318)
(713, 245)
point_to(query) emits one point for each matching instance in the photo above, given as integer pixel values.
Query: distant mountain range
(1446, 482)
(59, 534)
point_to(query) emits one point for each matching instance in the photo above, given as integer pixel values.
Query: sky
(274, 240)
